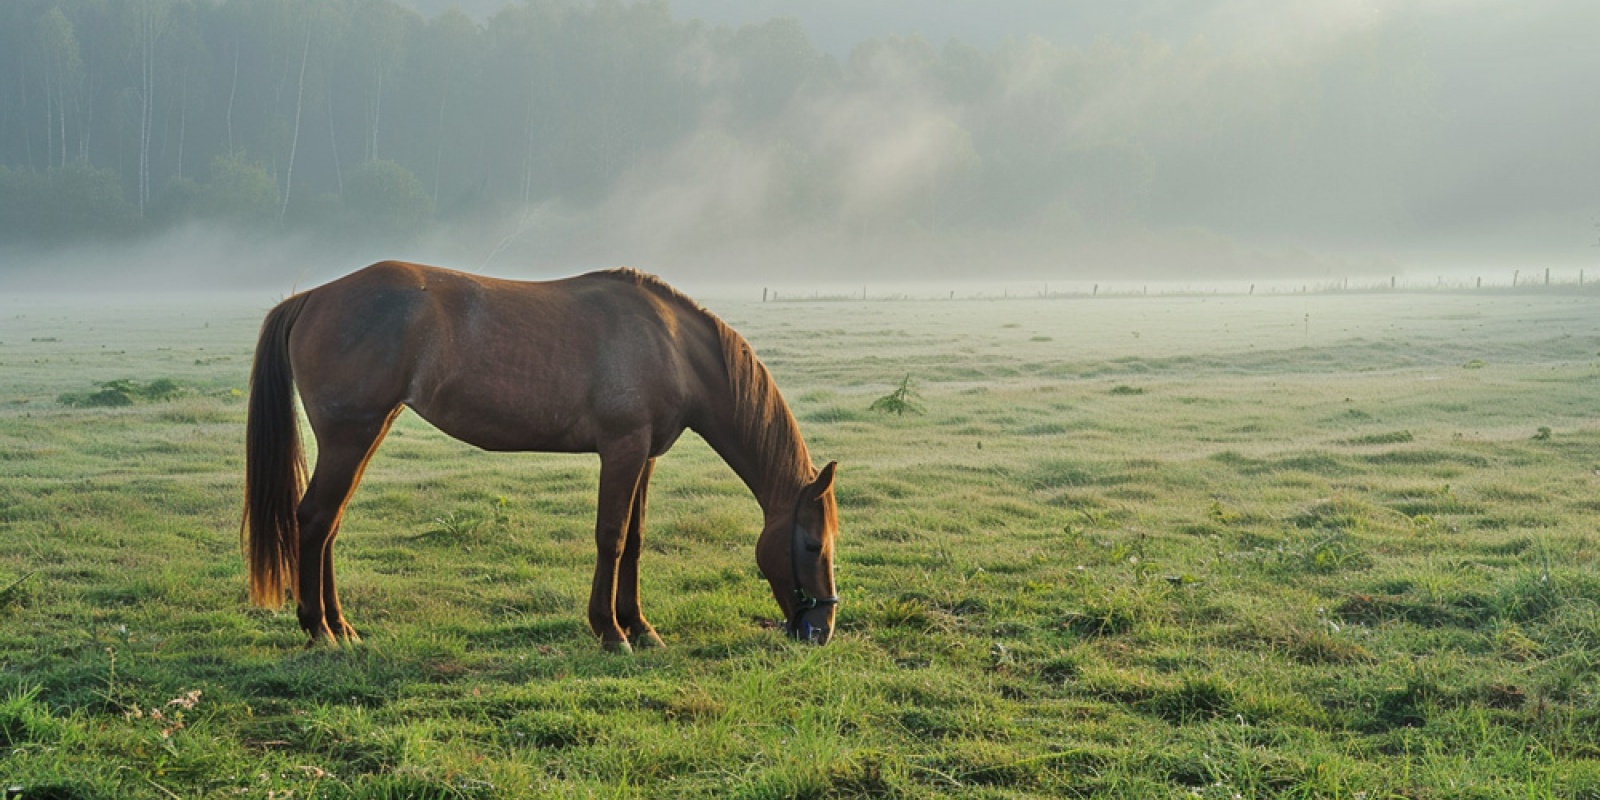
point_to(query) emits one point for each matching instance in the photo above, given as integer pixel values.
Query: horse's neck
(769, 455)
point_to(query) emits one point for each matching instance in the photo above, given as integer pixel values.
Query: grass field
(1291, 546)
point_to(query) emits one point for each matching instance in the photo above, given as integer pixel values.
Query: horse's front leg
(622, 465)
(630, 614)
(332, 612)
(308, 592)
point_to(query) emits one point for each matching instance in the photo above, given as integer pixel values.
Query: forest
(588, 125)
(364, 117)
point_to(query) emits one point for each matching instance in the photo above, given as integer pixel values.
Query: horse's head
(795, 554)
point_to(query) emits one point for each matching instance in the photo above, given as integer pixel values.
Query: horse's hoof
(647, 640)
(621, 646)
(323, 638)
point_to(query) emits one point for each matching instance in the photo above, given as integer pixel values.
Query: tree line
(122, 115)
(363, 117)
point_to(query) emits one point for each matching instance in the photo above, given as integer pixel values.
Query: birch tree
(150, 18)
(61, 72)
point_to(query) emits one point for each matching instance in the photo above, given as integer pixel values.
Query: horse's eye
(813, 548)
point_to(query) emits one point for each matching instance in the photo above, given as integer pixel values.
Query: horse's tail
(275, 463)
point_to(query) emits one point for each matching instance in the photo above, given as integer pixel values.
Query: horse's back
(554, 365)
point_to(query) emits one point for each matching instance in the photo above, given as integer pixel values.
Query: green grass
(1228, 556)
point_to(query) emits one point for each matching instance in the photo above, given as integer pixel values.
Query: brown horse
(616, 363)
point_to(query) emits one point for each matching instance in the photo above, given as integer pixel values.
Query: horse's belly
(489, 422)
(541, 401)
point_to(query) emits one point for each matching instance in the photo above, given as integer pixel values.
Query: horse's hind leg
(630, 614)
(342, 454)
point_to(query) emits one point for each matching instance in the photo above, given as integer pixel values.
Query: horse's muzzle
(814, 625)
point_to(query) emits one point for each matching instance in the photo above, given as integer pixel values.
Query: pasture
(1324, 545)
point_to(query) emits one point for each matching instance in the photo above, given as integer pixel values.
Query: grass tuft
(1391, 437)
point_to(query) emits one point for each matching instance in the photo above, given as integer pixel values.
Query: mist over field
(1211, 385)
(214, 143)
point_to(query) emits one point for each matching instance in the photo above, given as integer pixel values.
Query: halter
(803, 603)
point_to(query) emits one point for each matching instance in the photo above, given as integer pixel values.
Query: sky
(837, 26)
(1427, 135)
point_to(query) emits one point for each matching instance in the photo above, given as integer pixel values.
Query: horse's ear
(824, 481)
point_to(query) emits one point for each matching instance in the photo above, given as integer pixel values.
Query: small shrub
(901, 401)
(463, 524)
(1124, 390)
(456, 525)
(123, 392)
(107, 397)
(161, 389)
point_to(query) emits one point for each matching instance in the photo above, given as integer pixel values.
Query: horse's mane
(656, 286)
(762, 418)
